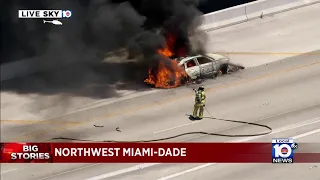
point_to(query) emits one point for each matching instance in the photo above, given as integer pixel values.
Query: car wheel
(198, 81)
(224, 69)
(215, 75)
(185, 80)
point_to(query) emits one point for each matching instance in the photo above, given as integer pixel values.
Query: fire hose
(187, 133)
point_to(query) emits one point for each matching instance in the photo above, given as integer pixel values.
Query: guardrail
(246, 12)
(215, 20)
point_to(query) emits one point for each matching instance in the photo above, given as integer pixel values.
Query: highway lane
(166, 170)
(305, 131)
(256, 171)
(270, 38)
(280, 94)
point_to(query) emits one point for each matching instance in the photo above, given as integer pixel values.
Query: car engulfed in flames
(177, 68)
(167, 74)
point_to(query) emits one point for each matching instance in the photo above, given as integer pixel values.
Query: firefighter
(200, 101)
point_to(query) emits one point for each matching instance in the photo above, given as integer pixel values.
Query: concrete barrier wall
(233, 14)
(274, 6)
(250, 11)
(218, 19)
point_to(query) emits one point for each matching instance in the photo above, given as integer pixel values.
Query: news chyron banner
(276, 152)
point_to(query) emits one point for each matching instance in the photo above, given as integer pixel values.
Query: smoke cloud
(95, 28)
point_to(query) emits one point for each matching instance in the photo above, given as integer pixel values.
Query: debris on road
(98, 126)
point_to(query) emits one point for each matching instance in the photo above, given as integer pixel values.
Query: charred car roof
(209, 55)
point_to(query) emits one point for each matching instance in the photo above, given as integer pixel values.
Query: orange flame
(166, 52)
(169, 44)
(168, 74)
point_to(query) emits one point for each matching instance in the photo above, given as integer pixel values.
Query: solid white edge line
(66, 172)
(307, 134)
(122, 171)
(141, 166)
(6, 171)
(176, 127)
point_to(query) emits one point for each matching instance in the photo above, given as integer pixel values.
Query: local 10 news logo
(66, 13)
(283, 150)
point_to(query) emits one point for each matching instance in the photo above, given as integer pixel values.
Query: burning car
(179, 71)
(180, 61)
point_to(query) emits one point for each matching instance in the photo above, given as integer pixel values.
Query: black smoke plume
(96, 27)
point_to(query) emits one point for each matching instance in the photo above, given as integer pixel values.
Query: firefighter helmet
(201, 88)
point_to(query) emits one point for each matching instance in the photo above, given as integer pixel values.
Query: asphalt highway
(283, 95)
(269, 39)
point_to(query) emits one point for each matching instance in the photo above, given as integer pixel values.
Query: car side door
(192, 68)
(207, 66)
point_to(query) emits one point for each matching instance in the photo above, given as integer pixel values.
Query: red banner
(144, 153)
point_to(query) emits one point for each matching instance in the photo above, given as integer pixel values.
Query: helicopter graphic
(55, 22)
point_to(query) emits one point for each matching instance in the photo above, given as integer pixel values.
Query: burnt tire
(215, 75)
(184, 80)
(224, 69)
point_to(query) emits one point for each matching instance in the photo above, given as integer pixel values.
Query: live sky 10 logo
(283, 150)
(43, 14)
